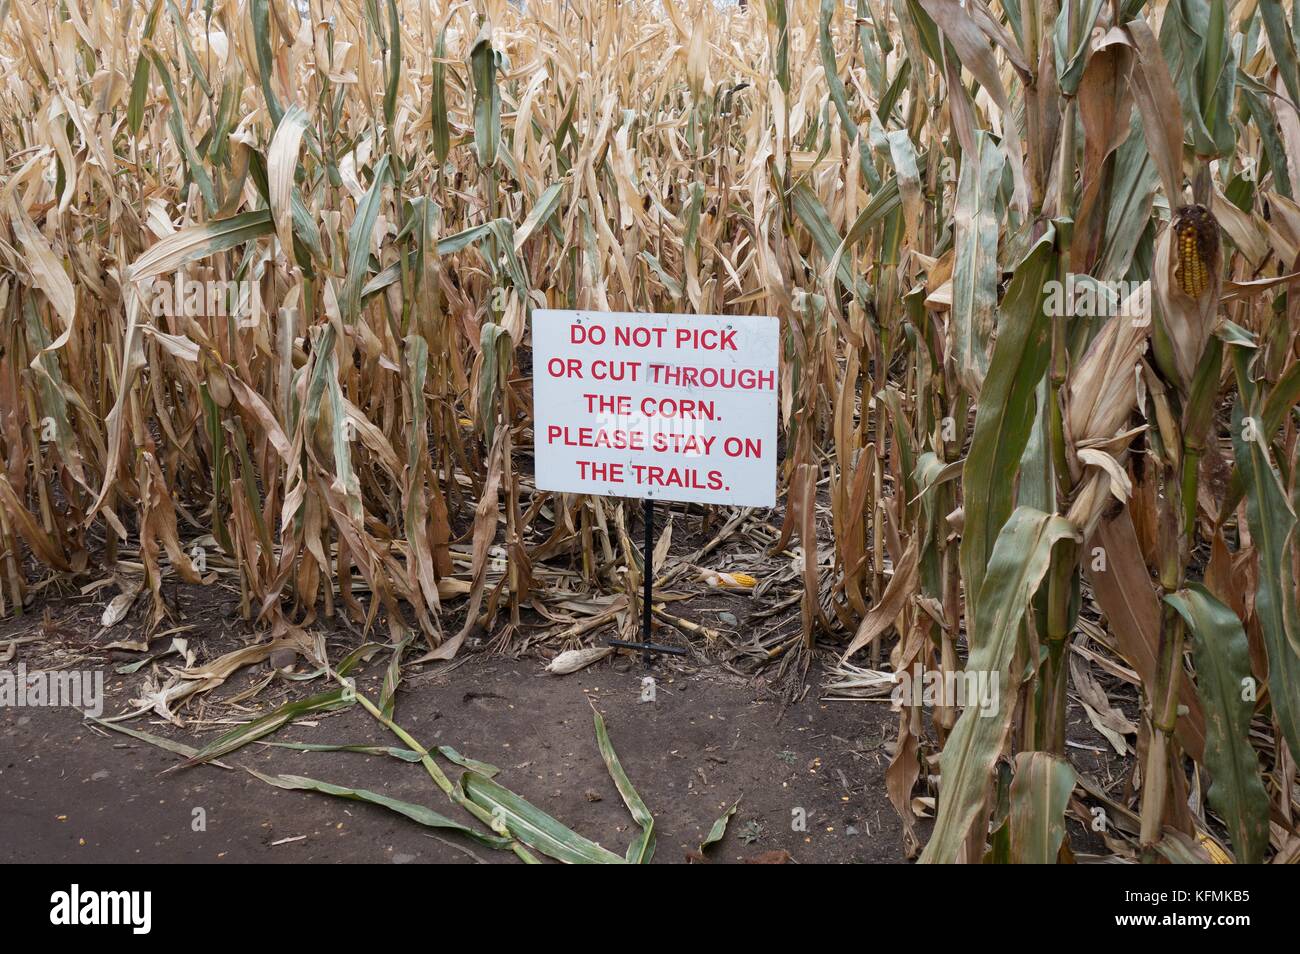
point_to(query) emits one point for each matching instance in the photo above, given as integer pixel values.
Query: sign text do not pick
(668, 407)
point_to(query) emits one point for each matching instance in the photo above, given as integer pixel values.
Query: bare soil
(808, 774)
(70, 791)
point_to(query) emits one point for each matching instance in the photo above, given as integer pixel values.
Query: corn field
(1033, 264)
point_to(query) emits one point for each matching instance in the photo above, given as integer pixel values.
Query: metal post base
(646, 647)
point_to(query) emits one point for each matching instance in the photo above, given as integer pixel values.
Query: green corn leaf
(438, 99)
(643, 845)
(169, 745)
(495, 343)
(534, 827)
(547, 204)
(421, 814)
(976, 271)
(140, 80)
(200, 241)
(240, 736)
(183, 34)
(1040, 793)
(405, 755)
(719, 828)
(1006, 415)
(394, 63)
(181, 135)
(778, 30)
(260, 13)
(1273, 527)
(393, 679)
(813, 214)
(359, 243)
(1225, 685)
(1019, 561)
(483, 61)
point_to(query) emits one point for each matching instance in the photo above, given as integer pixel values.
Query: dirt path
(69, 792)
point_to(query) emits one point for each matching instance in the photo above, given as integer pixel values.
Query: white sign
(669, 407)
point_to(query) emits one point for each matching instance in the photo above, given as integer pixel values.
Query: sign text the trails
(666, 407)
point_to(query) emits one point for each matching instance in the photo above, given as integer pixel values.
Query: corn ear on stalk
(1197, 237)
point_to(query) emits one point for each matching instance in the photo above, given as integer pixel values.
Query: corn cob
(1197, 236)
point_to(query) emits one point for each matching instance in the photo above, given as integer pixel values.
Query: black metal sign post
(648, 648)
